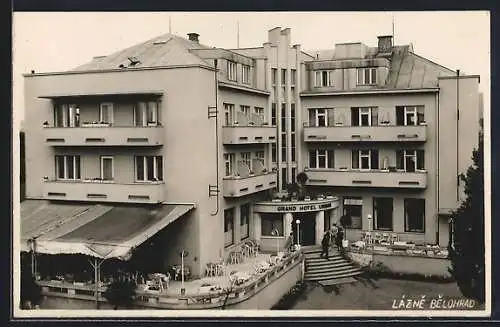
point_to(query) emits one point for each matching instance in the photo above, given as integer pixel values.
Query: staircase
(323, 270)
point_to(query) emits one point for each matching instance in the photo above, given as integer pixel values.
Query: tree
(302, 179)
(467, 242)
(120, 293)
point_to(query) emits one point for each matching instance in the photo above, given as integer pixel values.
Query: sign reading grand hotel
(306, 207)
(303, 206)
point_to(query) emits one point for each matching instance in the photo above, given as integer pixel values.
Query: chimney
(385, 44)
(194, 37)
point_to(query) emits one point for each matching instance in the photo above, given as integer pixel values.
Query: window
(259, 117)
(271, 224)
(107, 168)
(283, 117)
(246, 159)
(382, 213)
(149, 168)
(293, 76)
(228, 114)
(283, 76)
(353, 208)
(321, 117)
(231, 71)
(244, 220)
(367, 76)
(273, 114)
(274, 73)
(293, 147)
(66, 115)
(106, 113)
(245, 74)
(365, 159)
(321, 158)
(284, 178)
(67, 167)
(409, 115)
(228, 164)
(245, 110)
(273, 153)
(146, 113)
(409, 160)
(414, 215)
(283, 147)
(228, 227)
(294, 174)
(364, 116)
(292, 116)
(323, 78)
(259, 155)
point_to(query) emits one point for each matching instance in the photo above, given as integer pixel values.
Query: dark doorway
(307, 228)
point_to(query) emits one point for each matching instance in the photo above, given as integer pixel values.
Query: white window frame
(293, 76)
(229, 164)
(245, 109)
(322, 153)
(364, 72)
(143, 109)
(363, 111)
(259, 111)
(246, 158)
(410, 111)
(102, 158)
(362, 154)
(260, 155)
(68, 112)
(246, 74)
(145, 168)
(229, 114)
(232, 69)
(323, 114)
(318, 80)
(228, 241)
(66, 159)
(111, 112)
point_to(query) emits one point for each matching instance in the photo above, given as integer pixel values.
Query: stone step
(337, 281)
(330, 259)
(332, 275)
(327, 270)
(330, 263)
(342, 265)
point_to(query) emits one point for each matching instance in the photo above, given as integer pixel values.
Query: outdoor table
(176, 272)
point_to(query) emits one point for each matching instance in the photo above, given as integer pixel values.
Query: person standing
(339, 238)
(325, 244)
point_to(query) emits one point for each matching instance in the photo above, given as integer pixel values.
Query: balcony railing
(236, 186)
(104, 135)
(369, 178)
(104, 191)
(248, 129)
(380, 133)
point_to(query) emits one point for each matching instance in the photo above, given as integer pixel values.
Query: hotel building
(381, 132)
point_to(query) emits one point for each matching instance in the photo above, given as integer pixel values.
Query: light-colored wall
(385, 103)
(187, 94)
(455, 155)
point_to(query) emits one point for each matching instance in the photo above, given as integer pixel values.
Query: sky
(58, 41)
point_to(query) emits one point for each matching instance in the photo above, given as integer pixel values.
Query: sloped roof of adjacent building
(161, 51)
(407, 69)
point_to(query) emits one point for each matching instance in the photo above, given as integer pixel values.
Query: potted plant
(423, 123)
(265, 123)
(45, 124)
(251, 123)
(251, 173)
(306, 168)
(264, 171)
(236, 123)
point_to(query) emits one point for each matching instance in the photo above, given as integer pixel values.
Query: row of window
(364, 76)
(406, 160)
(414, 214)
(235, 163)
(284, 76)
(367, 116)
(145, 114)
(147, 168)
(232, 72)
(229, 237)
(244, 116)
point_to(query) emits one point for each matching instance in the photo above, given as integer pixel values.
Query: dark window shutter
(374, 159)
(400, 115)
(354, 116)
(355, 159)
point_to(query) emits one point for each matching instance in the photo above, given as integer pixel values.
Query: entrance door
(307, 229)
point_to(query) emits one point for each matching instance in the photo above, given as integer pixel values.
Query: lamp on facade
(298, 235)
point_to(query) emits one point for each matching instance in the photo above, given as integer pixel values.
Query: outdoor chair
(377, 238)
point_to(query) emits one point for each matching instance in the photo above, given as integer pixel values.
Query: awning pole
(95, 265)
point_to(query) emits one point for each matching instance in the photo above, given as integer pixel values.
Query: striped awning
(102, 231)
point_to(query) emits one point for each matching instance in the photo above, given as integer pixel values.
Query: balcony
(370, 178)
(234, 187)
(104, 135)
(248, 129)
(104, 191)
(381, 133)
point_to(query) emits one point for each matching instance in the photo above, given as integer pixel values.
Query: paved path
(370, 294)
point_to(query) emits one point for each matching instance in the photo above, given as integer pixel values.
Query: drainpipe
(457, 136)
(437, 168)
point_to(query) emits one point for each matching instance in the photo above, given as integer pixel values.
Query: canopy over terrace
(100, 231)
